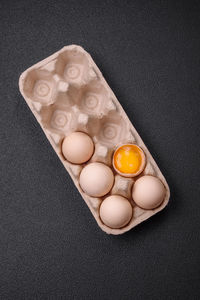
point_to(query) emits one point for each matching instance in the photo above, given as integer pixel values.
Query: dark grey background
(50, 245)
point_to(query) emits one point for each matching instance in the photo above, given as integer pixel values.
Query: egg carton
(66, 92)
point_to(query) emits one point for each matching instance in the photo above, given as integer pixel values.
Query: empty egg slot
(73, 66)
(58, 119)
(92, 98)
(40, 86)
(112, 129)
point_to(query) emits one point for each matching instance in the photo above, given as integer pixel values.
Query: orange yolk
(128, 159)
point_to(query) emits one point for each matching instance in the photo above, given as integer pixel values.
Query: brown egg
(96, 179)
(115, 211)
(77, 147)
(148, 192)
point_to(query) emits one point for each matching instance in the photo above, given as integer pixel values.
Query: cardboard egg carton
(66, 92)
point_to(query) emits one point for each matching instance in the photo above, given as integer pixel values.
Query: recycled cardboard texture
(67, 92)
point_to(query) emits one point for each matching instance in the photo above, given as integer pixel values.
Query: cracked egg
(129, 160)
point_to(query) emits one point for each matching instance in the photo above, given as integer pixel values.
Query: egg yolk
(128, 159)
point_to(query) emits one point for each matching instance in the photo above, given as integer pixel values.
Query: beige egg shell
(78, 147)
(115, 211)
(148, 192)
(96, 179)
